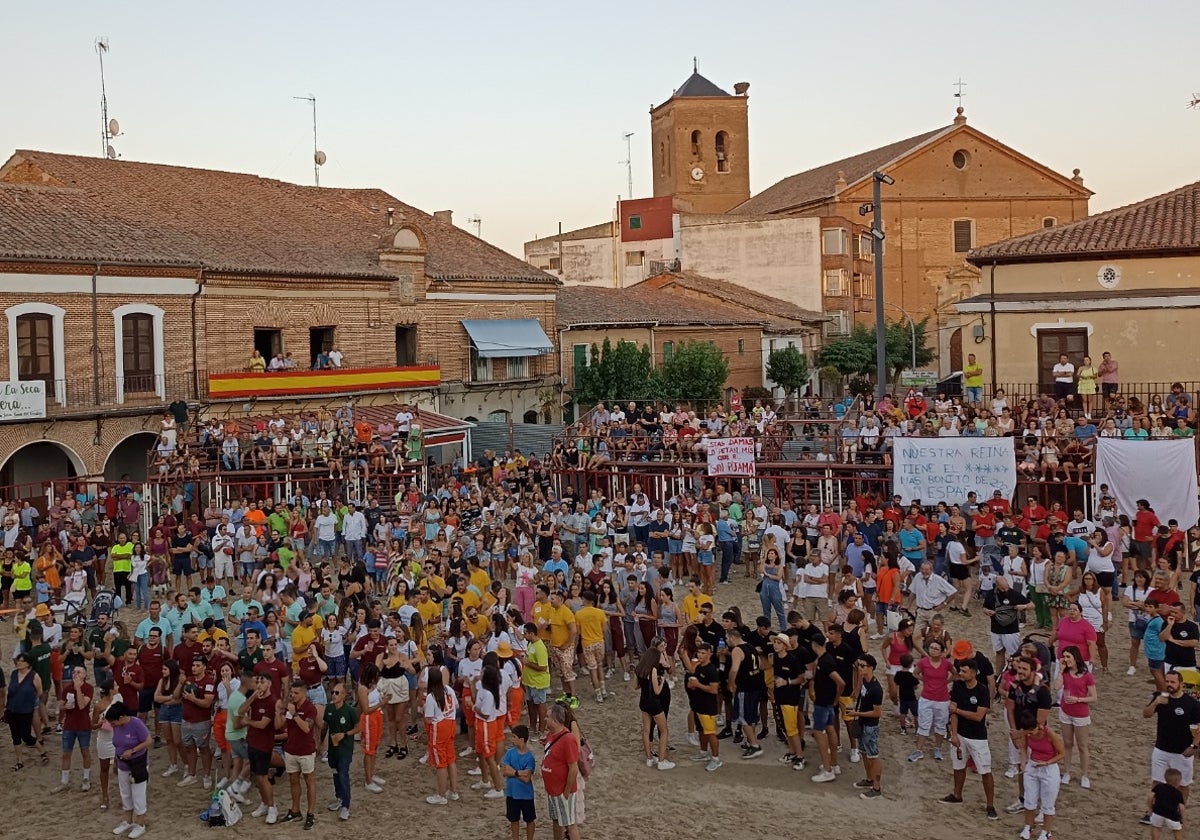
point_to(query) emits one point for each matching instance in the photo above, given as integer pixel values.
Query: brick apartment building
(125, 286)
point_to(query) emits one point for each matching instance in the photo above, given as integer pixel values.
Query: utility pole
(879, 179)
(628, 164)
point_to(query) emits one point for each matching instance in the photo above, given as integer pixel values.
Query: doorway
(1051, 345)
(956, 351)
(320, 340)
(268, 342)
(406, 346)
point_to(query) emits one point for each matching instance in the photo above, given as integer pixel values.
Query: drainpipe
(992, 308)
(195, 349)
(95, 337)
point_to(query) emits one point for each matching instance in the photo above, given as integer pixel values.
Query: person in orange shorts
(370, 706)
(510, 675)
(490, 715)
(441, 708)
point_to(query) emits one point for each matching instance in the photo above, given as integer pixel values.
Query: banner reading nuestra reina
(22, 400)
(730, 456)
(947, 469)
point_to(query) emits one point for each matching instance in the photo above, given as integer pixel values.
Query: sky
(513, 112)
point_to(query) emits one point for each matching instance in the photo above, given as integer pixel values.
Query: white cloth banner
(1163, 472)
(947, 469)
(22, 400)
(730, 456)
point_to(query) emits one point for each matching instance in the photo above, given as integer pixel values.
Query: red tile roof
(69, 207)
(817, 184)
(778, 315)
(1165, 223)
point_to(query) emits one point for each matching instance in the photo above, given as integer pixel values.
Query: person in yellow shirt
(477, 624)
(563, 633)
(429, 609)
(973, 380)
(464, 596)
(304, 635)
(693, 601)
(541, 611)
(478, 578)
(591, 621)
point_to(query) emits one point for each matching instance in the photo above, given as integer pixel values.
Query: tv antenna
(478, 222)
(319, 157)
(1194, 102)
(628, 163)
(109, 129)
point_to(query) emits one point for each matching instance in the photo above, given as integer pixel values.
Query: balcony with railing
(81, 397)
(238, 385)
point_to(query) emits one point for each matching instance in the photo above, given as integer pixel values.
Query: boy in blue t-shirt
(1154, 647)
(518, 765)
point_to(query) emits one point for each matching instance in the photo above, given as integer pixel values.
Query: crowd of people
(283, 634)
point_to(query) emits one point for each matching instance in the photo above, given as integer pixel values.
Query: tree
(696, 372)
(787, 367)
(620, 372)
(899, 343)
(854, 354)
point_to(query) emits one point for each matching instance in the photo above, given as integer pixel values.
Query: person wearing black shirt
(1166, 801)
(827, 687)
(1004, 605)
(1182, 638)
(969, 705)
(1177, 734)
(745, 683)
(790, 675)
(760, 640)
(704, 687)
(1027, 693)
(845, 656)
(182, 548)
(868, 712)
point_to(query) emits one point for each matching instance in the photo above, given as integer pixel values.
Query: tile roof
(1164, 223)
(604, 230)
(697, 85)
(779, 315)
(69, 207)
(817, 184)
(579, 305)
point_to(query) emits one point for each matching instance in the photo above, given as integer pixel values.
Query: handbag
(587, 759)
(893, 619)
(139, 768)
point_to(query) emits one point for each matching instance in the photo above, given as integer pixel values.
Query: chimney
(446, 216)
(740, 88)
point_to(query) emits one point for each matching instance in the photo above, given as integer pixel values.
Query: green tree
(854, 354)
(899, 343)
(787, 367)
(616, 372)
(696, 372)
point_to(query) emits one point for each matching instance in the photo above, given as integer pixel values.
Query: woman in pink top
(1072, 629)
(894, 647)
(1077, 691)
(933, 709)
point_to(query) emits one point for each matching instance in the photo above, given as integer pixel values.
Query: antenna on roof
(478, 222)
(109, 129)
(959, 95)
(628, 163)
(695, 65)
(1194, 102)
(319, 157)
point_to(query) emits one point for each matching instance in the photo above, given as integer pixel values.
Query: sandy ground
(625, 799)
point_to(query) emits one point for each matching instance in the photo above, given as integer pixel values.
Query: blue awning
(512, 337)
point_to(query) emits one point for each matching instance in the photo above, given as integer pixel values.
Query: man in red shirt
(828, 517)
(1145, 526)
(560, 773)
(258, 716)
(274, 669)
(1000, 505)
(370, 645)
(76, 719)
(188, 650)
(150, 657)
(199, 692)
(1035, 516)
(299, 718)
(985, 526)
(129, 678)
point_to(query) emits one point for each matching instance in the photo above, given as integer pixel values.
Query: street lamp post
(879, 179)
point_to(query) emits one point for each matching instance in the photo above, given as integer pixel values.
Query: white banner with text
(22, 400)
(936, 470)
(730, 456)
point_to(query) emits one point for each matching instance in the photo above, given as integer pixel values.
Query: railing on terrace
(243, 384)
(67, 397)
(1025, 391)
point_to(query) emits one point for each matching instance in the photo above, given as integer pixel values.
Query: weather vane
(959, 95)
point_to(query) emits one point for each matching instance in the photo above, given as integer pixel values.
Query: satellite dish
(111, 152)
(320, 158)
(114, 128)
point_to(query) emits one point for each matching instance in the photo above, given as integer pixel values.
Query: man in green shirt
(536, 677)
(278, 520)
(39, 655)
(341, 725)
(107, 647)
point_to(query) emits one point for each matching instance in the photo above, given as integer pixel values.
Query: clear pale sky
(514, 111)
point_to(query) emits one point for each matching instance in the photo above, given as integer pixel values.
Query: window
(695, 144)
(137, 332)
(864, 245)
(320, 340)
(1053, 343)
(1049, 222)
(961, 159)
(864, 286)
(555, 264)
(635, 258)
(406, 346)
(835, 241)
(662, 158)
(835, 283)
(741, 347)
(668, 350)
(580, 352)
(964, 235)
(35, 348)
(635, 222)
(838, 323)
(498, 416)
(518, 367)
(722, 159)
(481, 367)
(268, 342)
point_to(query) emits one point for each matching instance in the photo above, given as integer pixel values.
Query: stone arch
(32, 465)
(128, 457)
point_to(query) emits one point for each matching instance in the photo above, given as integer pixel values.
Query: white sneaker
(436, 799)
(474, 771)
(272, 816)
(137, 831)
(1131, 671)
(625, 677)
(1043, 836)
(693, 738)
(122, 827)
(824, 776)
(481, 786)
(206, 783)
(854, 756)
(650, 762)
(379, 780)
(494, 794)
(260, 811)
(666, 765)
(837, 770)
(186, 781)
(1026, 833)
(374, 788)
(454, 797)
(714, 765)
(464, 753)
(344, 814)
(335, 805)
(702, 756)
(1011, 772)
(86, 786)
(222, 783)
(1085, 783)
(1065, 778)
(170, 771)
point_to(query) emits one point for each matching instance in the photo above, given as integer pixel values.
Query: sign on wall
(730, 456)
(22, 400)
(947, 469)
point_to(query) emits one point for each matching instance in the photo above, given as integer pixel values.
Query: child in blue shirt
(1155, 648)
(518, 765)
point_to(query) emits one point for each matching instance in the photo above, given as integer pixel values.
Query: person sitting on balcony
(231, 453)
(263, 457)
(281, 450)
(321, 362)
(276, 364)
(335, 358)
(257, 363)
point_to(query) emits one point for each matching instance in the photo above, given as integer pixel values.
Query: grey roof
(697, 85)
